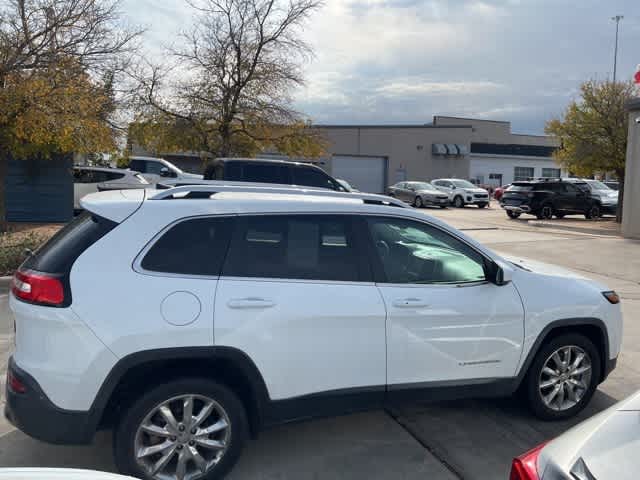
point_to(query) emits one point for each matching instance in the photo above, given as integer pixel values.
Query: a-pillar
(631, 207)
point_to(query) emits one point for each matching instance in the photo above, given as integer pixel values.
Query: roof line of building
(472, 119)
(426, 125)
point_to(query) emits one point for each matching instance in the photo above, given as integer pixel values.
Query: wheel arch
(135, 373)
(592, 328)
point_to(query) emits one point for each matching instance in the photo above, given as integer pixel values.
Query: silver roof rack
(199, 191)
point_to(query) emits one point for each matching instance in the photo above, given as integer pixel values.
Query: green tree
(243, 60)
(60, 61)
(593, 131)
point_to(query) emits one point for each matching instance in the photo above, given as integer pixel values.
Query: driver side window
(414, 252)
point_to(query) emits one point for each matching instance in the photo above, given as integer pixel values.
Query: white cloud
(421, 87)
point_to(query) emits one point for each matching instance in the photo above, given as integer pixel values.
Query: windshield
(597, 185)
(463, 184)
(423, 186)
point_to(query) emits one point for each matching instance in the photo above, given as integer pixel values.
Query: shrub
(14, 249)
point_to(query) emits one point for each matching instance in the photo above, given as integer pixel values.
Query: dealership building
(371, 157)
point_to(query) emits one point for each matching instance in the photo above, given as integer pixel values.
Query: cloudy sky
(402, 61)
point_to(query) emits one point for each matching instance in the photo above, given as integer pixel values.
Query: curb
(591, 231)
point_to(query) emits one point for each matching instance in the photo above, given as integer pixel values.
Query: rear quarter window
(62, 250)
(195, 246)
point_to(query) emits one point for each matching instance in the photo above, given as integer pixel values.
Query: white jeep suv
(462, 192)
(189, 318)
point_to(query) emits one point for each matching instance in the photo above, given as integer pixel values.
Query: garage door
(367, 174)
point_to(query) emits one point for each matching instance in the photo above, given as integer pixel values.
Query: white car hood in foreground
(607, 443)
(56, 474)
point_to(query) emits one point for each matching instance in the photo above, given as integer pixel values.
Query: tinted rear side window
(314, 247)
(59, 253)
(193, 247)
(264, 173)
(527, 187)
(233, 171)
(311, 177)
(138, 165)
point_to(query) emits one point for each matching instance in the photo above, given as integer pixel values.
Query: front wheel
(563, 377)
(512, 214)
(482, 205)
(458, 202)
(593, 212)
(182, 429)
(418, 202)
(545, 213)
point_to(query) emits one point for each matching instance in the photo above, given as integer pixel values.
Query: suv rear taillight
(525, 467)
(38, 288)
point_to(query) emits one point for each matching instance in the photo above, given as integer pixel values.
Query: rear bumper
(34, 414)
(517, 209)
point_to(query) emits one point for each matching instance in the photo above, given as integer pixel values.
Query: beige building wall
(631, 207)
(405, 147)
(493, 131)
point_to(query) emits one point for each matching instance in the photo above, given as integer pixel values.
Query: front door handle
(250, 302)
(410, 303)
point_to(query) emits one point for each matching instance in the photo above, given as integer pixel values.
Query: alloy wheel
(565, 378)
(418, 202)
(182, 438)
(458, 202)
(547, 212)
(594, 212)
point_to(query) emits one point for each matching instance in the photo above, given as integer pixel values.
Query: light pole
(616, 19)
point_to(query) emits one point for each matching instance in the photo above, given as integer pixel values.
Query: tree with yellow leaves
(593, 131)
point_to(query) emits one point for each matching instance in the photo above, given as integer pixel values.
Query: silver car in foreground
(418, 194)
(604, 447)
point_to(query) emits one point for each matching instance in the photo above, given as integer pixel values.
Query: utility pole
(616, 19)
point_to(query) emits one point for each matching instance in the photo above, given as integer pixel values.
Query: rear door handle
(250, 302)
(410, 303)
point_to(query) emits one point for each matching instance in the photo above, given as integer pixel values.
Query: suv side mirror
(498, 273)
(166, 172)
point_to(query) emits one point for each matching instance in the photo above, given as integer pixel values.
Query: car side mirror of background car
(165, 172)
(453, 187)
(498, 273)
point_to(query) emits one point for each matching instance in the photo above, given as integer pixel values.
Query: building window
(551, 172)
(522, 173)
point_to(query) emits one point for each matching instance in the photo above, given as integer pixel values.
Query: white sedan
(88, 180)
(604, 447)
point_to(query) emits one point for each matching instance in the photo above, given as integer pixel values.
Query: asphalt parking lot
(468, 440)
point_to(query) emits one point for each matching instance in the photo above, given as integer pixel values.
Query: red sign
(636, 77)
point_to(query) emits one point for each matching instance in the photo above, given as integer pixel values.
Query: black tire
(559, 215)
(593, 212)
(125, 432)
(458, 202)
(545, 213)
(531, 382)
(512, 214)
(418, 202)
(443, 206)
(482, 205)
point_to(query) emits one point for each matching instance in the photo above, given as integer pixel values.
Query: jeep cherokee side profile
(190, 318)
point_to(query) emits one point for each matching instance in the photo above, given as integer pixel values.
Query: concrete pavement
(456, 440)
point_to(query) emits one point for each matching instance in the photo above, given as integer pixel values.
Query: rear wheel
(418, 202)
(593, 212)
(563, 377)
(545, 213)
(512, 214)
(559, 215)
(458, 202)
(443, 206)
(179, 430)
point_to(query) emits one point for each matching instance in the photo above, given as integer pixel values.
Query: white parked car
(187, 318)
(462, 192)
(88, 180)
(603, 447)
(57, 474)
(158, 169)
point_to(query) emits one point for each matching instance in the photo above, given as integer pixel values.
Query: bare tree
(234, 74)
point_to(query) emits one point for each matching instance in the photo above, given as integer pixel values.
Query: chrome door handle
(410, 303)
(250, 302)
